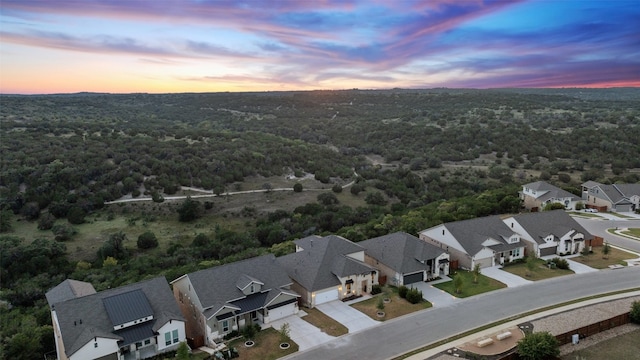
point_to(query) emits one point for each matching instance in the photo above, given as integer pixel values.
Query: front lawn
(468, 288)
(267, 346)
(614, 257)
(397, 307)
(541, 271)
(323, 322)
(632, 232)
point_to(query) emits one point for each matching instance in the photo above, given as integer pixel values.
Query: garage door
(485, 262)
(326, 296)
(548, 251)
(413, 278)
(282, 311)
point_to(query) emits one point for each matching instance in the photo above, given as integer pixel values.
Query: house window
(252, 288)
(254, 315)
(349, 287)
(175, 336)
(180, 296)
(95, 345)
(138, 345)
(225, 326)
(167, 338)
(147, 342)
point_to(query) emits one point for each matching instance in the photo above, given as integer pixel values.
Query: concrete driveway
(353, 319)
(495, 272)
(437, 297)
(579, 268)
(303, 333)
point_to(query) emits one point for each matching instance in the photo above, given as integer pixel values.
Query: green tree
(297, 187)
(76, 215)
(189, 210)
(46, 221)
(538, 346)
(380, 303)
(285, 332)
(336, 188)
(476, 273)
(635, 312)
(606, 249)
(183, 351)
(553, 206)
(375, 198)
(531, 264)
(327, 198)
(147, 240)
(6, 217)
(458, 283)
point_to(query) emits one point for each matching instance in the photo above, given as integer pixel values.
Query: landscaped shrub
(376, 289)
(561, 263)
(231, 335)
(414, 296)
(635, 312)
(402, 291)
(147, 240)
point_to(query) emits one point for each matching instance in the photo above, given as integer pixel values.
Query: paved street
(599, 227)
(415, 330)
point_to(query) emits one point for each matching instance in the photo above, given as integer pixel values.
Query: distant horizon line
(319, 90)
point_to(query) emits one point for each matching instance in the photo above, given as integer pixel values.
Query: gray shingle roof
(81, 319)
(542, 224)
(401, 252)
(67, 290)
(217, 286)
(620, 193)
(322, 260)
(551, 191)
(473, 232)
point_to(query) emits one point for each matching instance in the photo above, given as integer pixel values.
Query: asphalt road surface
(400, 335)
(599, 227)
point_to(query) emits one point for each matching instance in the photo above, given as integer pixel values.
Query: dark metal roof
(127, 307)
(135, 333)
(251, 303)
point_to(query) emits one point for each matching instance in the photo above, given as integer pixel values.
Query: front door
(364, 286)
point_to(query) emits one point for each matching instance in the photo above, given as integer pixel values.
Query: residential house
(404, 259)
(221, 299)
(550, 232)
(134, 321)
(328, 268)
(613, 197)
(536, 195)
(487, 241)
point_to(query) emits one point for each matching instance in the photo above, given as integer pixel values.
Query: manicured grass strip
(632, 232)
(397, 307)
(541, 271)
(597, 261)
(267, 346)
(484, 284)
(503, 321)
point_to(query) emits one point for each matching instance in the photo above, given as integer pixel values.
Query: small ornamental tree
(531, 265)
(457, 284)
(476, 273)
(606, 249)
(538, 346)
(285, 333)
(189, 210)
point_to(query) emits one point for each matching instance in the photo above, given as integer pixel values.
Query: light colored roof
(550, 191)
(401, 252)
(322, 260)
(542, 224)
(473, 232)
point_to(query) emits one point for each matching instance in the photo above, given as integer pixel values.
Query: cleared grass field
(397, 307)
(597, 261)
(624, 347)
(484, 284)
(540, 272)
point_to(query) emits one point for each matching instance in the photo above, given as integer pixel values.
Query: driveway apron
(353, 319)
(302, 333)
(437, 297)
(504, 277)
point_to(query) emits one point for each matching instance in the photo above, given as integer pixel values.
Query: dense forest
(359, 163)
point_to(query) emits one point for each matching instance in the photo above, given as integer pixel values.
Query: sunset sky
(157, 46)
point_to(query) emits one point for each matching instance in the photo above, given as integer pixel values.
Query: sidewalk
(427, 354)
